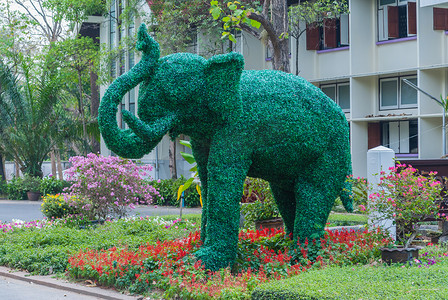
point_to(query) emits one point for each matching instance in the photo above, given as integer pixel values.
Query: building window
(340, 93)
(396, 19)
(132, 101)
(400, 136)
(440, 18)
(395, 93)
(332, 33)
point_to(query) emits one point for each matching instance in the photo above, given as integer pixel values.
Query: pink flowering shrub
(407, 197)
(108, 185)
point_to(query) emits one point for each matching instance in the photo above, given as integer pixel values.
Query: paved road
(30, 210)
(20, 286)
(12, 289)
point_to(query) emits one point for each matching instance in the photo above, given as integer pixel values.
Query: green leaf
(232, 7)
(187, 183)
(216, 12)
(214, 3)
(185, 143)
(238, 12)
(226, 19)
(232, 38)
(188, 157)
(255, 24)
(194, 169)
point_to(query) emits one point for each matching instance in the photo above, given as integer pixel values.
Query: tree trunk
(59, 165)
(53, 163)
(280, 59)
(297, 56)
(279, 19)
(17, 167)
(274, 20)
(81, 111)
(94, 104)
(2, 169)
(172, 158)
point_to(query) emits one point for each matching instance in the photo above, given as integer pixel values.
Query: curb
(47, 281)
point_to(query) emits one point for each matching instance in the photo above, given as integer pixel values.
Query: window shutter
(412, 18)
(312, 37)
(440, 16)
(374, 135)
(330, 37)
(392, 21)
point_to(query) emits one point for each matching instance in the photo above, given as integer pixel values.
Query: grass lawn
(346, 219)
(363, 282)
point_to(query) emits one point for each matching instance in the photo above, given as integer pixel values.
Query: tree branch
(250, 30)
(266, 5)
(273, 36)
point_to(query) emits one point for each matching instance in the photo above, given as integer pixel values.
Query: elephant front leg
(201, 151)
(225, 185)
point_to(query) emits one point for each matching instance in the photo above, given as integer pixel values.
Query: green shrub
(15, 189)
(55, 206)
(168, 192)
(362, 282)
(2, 186)
(31, 183)
(256, 189)
(52, 185)
(46, 250)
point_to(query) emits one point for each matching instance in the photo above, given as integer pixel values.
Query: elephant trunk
(141, 138)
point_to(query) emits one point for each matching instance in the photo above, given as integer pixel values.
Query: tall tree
(272, 16)
(28, 124)
(75, 57)
(176, 24)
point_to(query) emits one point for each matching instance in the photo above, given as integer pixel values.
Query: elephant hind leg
(314, 201)
(286, 203)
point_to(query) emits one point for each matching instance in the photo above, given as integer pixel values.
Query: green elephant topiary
(265, 124)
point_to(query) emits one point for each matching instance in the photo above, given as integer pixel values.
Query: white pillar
(380, 159)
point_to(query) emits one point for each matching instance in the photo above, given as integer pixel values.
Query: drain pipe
(444, 112)
(157, 162)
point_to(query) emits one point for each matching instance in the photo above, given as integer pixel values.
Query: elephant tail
(346, 195)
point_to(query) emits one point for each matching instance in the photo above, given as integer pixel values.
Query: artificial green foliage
(265, 124)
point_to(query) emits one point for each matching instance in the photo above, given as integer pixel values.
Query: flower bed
(262, 257)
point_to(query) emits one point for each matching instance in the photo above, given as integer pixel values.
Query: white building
(360, 61)
(389, 40)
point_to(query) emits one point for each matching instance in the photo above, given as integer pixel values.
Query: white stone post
(379, 159)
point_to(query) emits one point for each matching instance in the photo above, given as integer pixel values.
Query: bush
(168, 192)
(15, 189)
(51, 185)
(111, 185)
(31, 183)
(256, 189)
(56, 206)
(361, 282)
(2, 186)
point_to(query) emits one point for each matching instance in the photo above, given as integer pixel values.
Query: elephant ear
(222, 76)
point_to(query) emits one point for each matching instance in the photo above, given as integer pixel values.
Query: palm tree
(28, 123)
